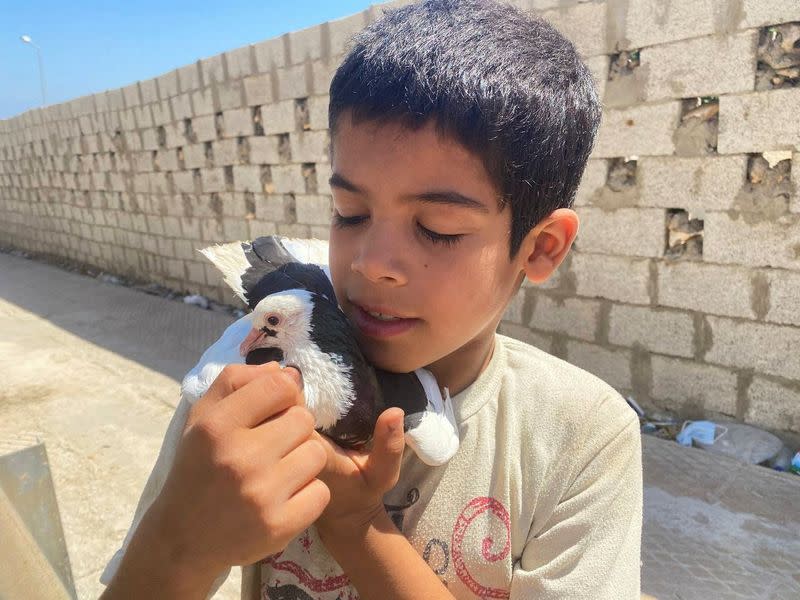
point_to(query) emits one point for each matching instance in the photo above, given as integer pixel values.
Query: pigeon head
(281, 320)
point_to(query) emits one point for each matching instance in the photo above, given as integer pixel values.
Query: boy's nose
(379, 258)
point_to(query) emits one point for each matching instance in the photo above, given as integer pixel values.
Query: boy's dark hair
(504, 84)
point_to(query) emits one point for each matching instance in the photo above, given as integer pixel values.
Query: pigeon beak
(250, 341)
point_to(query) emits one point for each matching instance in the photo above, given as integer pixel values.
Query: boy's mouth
(381, 322)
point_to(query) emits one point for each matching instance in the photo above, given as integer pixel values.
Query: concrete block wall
(684, 285)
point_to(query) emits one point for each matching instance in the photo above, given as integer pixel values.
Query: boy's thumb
(387, 449)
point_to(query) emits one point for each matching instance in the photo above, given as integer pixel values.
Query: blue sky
(90, 47)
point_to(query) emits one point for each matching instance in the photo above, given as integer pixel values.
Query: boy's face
(391, 183)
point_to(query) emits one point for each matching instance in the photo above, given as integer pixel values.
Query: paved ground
(93, 369)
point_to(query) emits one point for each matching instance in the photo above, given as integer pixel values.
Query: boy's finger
(307, 505)
(297, 468)
(260, 398)
(383, 463)
(232, 378)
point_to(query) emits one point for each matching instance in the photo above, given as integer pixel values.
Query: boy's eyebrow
(448, 197)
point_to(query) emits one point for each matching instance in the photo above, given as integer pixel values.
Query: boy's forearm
(149, 569)
(380, 563)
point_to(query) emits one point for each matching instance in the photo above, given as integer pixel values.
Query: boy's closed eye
(444, 239)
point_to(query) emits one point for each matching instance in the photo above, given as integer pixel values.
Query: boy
(460, 131)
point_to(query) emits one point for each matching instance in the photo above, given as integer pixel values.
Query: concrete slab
(93, 370)
(717, 528)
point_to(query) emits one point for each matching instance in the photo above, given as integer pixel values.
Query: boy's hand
(358, 480)
(243, 481)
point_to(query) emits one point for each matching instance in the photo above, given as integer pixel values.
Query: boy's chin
(392, 362)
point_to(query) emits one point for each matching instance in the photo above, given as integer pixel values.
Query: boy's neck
(460, 369)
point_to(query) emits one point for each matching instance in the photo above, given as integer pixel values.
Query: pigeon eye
(273, 321)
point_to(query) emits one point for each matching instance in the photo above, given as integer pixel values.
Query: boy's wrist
(354, 527)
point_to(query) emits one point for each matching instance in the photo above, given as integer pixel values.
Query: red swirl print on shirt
(312, 583)
(476, 507)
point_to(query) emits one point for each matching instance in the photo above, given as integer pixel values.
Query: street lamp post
(27, 40)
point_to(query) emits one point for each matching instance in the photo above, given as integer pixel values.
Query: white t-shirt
(542, 500)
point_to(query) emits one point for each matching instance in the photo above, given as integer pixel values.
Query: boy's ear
(547, 244)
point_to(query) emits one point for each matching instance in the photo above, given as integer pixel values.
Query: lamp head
(25, 38)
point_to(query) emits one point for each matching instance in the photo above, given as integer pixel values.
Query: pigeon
(296, 321)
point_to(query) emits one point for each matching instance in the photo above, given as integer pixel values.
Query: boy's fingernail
(295, 374)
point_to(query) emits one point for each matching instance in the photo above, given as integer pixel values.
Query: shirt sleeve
(590, 546)
(155, 482)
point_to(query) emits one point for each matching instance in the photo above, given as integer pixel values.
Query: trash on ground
(744, 442)
(702, 432)
(795, 466)
(197, 300)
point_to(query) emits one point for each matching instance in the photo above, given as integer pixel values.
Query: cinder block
(645, 130)
(211, 231)
(594, 178)
(664, 331)
(181, 107)
(310, 146)
(686, 385)
(694, 184)
(756, 241)
(227, 152)
(189, 78)
(264, 150)
(203, 102)
(294, 230)
(650, 22)
(272, 208)
(167, 85)
(794, 201)
(287, 179)
(159, 183)
(292, 82)
(759, 121)
(613, 277)
(143, 116)
(305, 44)
(258, 90)
(237, 122)
(598, 65)
(515, 310)
(612, 366)
(270, 54)
(231, 94)
(765, 348)
(773, 405)
(149, 91)
(583, 24)
(278, 117)
(322, 72)
(235, 228)
(184, 182)
(239, 62)
(162, 113)
(784, 297)
(212, 69)
(756, 13)
(194, 156)
(213, 180)
(247, 178)
(341, 31)
(626, 232)
(172, 226)
(707, 288)
(682, 69)
(204, 128)
(318, 113)
(574, 317)
(258, 228)
(313, 210)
